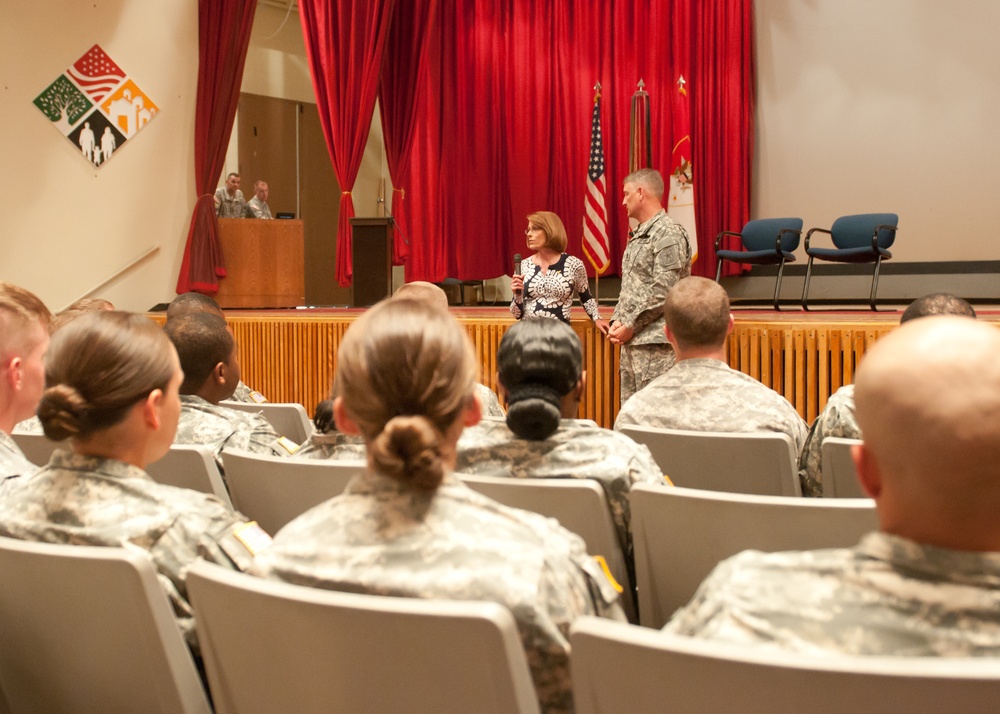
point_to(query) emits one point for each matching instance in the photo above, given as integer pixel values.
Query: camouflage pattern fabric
(886, 596)
(836, 419)
(258, 209)
(704, 394)
(384, 538)
(656, 257)
(12, 460)
(32, 425)
(641, 364)
(488, 400)
(86, 500)
(613, 460)
(204, 423)
(550, 294)
(226, 207)
(245, 395)
(334, 445)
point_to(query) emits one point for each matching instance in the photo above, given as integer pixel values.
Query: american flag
(96, 73)
(595, 214)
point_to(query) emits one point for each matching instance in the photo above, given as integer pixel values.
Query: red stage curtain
(344, 42)
(403, 75)
(223, 37)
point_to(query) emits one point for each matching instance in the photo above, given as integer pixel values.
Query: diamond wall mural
(96, 106)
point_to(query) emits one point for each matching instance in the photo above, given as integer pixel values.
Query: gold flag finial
(641, 85)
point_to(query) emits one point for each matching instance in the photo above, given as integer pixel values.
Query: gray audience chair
(273, 490)
(89, 629)
(580, 506)
(38, 448)
(288, 418)
(621, 668)
(681, 534)
(274, 647)
(190, 466)
(840, 478)
(762, 463)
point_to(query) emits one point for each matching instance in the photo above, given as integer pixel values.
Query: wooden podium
(264, 263)
(371, 260)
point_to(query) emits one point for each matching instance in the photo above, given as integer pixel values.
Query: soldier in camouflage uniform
(656, 257)
(24, 338)
(209, 358)
(928, 402)
(837, 418)
(113, 382)
(540, 365)
(229, 201)
(186, 303)
(701, 392)
(406, 527)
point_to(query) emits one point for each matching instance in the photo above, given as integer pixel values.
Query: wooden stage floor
(290, 355)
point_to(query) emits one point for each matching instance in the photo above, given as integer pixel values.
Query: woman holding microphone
(549, 279)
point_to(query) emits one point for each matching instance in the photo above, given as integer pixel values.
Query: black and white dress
(550, 294)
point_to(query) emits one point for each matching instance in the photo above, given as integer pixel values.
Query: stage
(290, 355)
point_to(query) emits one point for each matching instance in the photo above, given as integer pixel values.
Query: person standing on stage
(657, 256)
(229, 201)
(257, 206)
(551, 277)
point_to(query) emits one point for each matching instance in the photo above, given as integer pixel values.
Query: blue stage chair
(768, 241)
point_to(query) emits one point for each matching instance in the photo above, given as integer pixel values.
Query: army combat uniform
(885, 596)
(836, 419)
(384, 538)
(488, 400)
(704, 394)
(202, 422)
(245, 395)
(656, 257)
(333, 445)
(87, 500)
(13, 462)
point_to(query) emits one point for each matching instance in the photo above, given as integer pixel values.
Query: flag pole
(597, 273)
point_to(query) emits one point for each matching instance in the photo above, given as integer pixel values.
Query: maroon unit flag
(595, 214)
(640, 141)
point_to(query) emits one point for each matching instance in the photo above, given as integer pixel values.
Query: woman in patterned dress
(551, 277)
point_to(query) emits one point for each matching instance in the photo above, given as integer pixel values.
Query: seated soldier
(928, 401)
(701, 392)
(210, 360)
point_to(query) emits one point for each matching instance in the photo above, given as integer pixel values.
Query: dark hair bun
(62, 410)
(534, 411)
(409, 449)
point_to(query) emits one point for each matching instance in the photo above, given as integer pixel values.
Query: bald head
(423, 292)
(927, 399)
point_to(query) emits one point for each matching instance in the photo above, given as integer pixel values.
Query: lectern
(264, 262)
(371, 263)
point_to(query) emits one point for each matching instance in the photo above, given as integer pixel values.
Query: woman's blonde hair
(553, 228)
(405, 371)
(98, 367)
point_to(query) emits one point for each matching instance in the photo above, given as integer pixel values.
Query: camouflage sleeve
(707, 608)
(670, 262)
(643, 467)
(488, 400)
(263, 437)
(836, 419)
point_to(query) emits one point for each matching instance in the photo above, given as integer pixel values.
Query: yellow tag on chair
(607, 572)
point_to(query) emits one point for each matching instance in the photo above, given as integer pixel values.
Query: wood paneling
(264, 263)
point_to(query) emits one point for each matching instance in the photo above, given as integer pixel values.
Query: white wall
(67, 225)
(888, 106)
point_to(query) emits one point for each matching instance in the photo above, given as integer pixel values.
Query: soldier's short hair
(422, 291)
(552, 225)
(650, 179)
(88, 304)
(202, 341)
(98, 367)
(187, 303)
(697, 312)
(937, 304)
(539, 362)
(20, 311)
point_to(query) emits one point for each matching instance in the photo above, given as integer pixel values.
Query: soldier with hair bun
(407, 527)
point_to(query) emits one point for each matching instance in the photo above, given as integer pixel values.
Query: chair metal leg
(718, 269)
(871, 301)
(805, 288)
(777, 285)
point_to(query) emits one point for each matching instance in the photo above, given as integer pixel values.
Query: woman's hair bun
(409, 449)
(534, 411)
(62, 410)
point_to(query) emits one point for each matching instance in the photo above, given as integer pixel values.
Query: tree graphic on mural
(63, 103)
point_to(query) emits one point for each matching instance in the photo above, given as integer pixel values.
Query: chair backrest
(762, 233)
(680, 535)
(763, 463)
(288, 418)
(274, 647)
(856, 231)
(580, 506)
(689, 676)
(38, 448)
(89, 629)
(190, 466)
(840, 479)
(272, 490)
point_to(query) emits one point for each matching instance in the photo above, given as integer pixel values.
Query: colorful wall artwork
(96, 106)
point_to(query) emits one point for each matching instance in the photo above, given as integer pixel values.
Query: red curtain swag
(223, 38)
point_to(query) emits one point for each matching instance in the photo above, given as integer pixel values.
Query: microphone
(517, 268)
